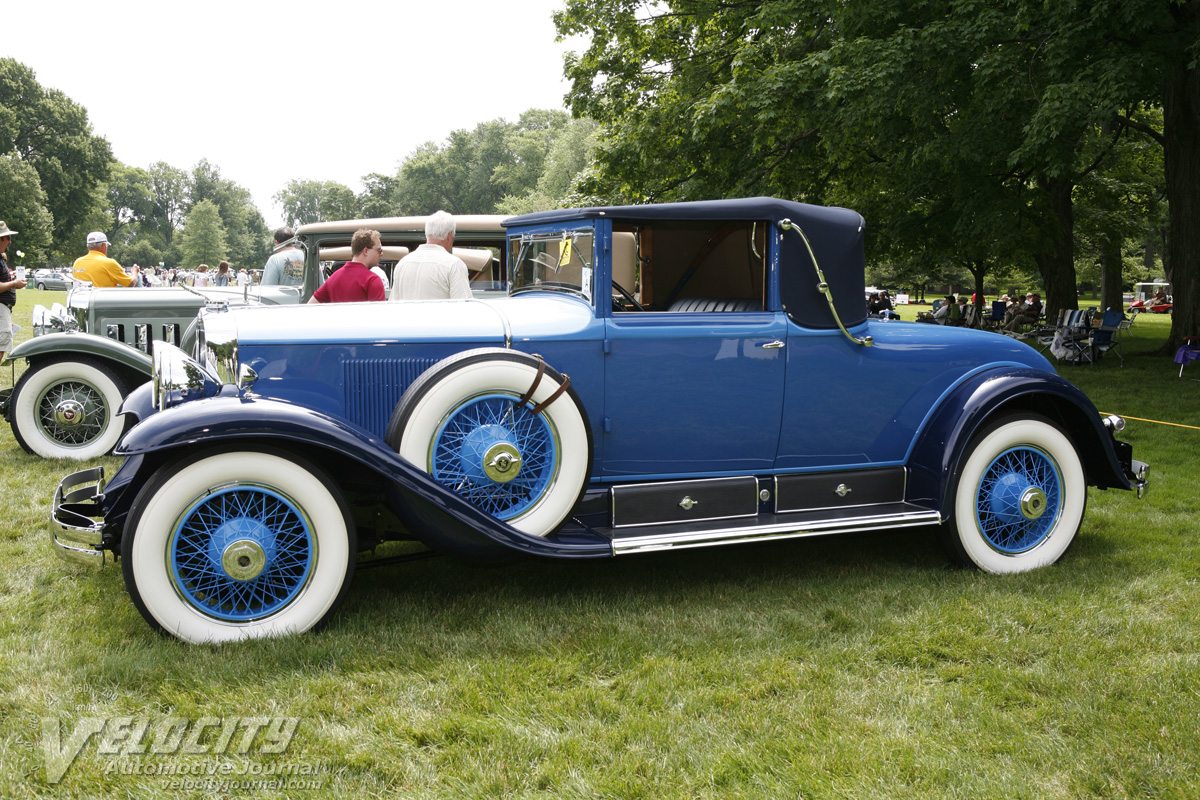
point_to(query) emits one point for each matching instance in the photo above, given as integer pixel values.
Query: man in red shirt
(354, 281)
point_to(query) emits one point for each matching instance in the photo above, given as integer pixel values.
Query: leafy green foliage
(204, 236)
(316, 201)
(960, 128)
(246, 231)
(23, 204)
(47, 130)
(498, 165)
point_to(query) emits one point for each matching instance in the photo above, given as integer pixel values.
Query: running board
(768, 527)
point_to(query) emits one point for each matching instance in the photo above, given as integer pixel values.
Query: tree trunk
(1056, 264)
(1111, 267)
(1181, 129)
(978, 270)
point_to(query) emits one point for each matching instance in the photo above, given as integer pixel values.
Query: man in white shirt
(432, 271)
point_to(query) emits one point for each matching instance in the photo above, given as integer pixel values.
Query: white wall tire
(461, 419)
(238, 545)
(68, 409)
(1019, 498)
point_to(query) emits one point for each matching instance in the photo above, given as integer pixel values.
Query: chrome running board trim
(780, 530)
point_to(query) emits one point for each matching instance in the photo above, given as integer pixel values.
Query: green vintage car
(85, 358)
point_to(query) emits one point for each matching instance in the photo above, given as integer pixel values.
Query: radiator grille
(373, 386)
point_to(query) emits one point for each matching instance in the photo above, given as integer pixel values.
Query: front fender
(440, 518)
(936, 457)
(87, 344)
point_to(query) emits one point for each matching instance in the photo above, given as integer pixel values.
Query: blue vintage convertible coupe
(657, 377)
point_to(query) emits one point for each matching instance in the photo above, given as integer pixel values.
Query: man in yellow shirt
(97, 268)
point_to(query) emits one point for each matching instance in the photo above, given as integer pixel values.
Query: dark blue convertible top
(836, 235)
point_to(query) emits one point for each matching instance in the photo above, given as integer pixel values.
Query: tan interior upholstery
(624, 261)
(390, 253)
(478, 261)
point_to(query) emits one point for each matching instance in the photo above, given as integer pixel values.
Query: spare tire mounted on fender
(501, 429)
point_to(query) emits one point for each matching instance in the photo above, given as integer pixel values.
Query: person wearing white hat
(97, 268)
(9, 283)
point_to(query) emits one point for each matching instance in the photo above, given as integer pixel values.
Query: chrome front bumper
(76, 536)
(1136, 472)
(1139, 476)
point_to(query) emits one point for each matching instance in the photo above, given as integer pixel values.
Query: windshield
(560, 261)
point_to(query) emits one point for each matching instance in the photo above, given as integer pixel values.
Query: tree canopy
(204, 239)
(48, 131)
(961, 128)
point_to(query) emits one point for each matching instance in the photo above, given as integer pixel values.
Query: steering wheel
(621, 290)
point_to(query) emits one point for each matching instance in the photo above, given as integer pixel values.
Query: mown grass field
(861, 667)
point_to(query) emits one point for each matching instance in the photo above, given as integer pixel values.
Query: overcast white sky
(270, 92)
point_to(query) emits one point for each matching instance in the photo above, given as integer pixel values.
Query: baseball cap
(96, 237)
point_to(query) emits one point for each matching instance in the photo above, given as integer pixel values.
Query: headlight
(178, 378)
(218, 345)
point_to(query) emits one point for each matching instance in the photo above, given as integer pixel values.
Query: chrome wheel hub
(1033, 503)
(244, 560)
(69, 413)
(502, 462)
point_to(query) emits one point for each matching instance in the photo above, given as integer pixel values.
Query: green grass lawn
(860, 667)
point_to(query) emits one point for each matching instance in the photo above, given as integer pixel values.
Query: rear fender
(438, 517)
(937, 455)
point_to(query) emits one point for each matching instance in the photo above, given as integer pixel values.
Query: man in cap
(9, 283)
(97, 268)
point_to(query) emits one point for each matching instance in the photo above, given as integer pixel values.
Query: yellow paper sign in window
(564, 251)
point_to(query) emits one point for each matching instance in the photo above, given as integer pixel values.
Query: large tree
(477, 171)
(248, 237)
(50, 132)
(204, 236)
(130, 201)
(169, 188)
(882, 104)
(315, 201)
(23, 209)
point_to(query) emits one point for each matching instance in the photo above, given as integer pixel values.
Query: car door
(692, 394)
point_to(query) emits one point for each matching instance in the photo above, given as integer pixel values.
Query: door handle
(775, 345)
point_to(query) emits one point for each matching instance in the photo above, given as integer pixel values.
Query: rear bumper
(75, 533)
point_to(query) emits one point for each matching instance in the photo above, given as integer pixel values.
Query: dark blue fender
(937, 456)
(441, 519)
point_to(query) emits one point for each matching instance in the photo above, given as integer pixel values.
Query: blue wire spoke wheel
(1019, 499)
(496, 454)
(241, 553)
(461, 422)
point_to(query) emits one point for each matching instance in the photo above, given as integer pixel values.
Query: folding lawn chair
(1071, 340)
(1188, 352)
(996, 319)
(1106, 337)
